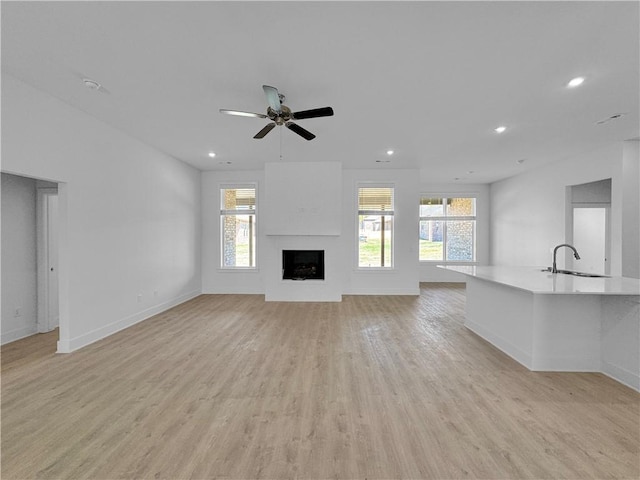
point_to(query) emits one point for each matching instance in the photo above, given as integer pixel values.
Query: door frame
(42, 234)
(607, 236)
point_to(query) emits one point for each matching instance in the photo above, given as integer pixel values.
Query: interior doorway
(589, 226)
(47, 241)
(590, 231)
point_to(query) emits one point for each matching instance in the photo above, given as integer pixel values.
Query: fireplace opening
(303, 264)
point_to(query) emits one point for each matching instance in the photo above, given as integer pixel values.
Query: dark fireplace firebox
(303, 264)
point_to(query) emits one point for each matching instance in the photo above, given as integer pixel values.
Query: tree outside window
(375, 227)
(238, 227)
(447, 229)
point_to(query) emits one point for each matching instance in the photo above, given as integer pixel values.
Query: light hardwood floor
(228, 386)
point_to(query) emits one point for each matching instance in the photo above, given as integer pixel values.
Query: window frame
(222, 212)
(444, 219)
(388, 213)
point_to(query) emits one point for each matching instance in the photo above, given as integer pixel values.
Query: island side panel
(501, 315)
(621, 339)
(566, 333)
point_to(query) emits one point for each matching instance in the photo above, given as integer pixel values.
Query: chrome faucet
(555, 250)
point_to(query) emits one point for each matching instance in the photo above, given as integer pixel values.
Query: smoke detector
(91, 84)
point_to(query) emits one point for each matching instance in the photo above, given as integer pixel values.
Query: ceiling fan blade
(313, 113)
(242, 114)
(265, 130)
(273, 98)
(306, 134)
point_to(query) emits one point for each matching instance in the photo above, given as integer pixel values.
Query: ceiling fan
(280, 114)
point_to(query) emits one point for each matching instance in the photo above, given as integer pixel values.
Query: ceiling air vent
(613, 117)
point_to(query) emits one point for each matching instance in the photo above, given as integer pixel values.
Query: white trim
(68, 346)
(622, 375)
(383, 291)
(42, 255)
(500, 343)
(391, 213)
(238, 269)
(250, 212)
(444, 219)
(13, 335)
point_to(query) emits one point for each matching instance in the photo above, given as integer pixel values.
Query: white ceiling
(430, 80)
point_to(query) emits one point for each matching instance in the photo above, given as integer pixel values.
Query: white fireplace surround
(303, 211)
(279, 290)
(303, 198)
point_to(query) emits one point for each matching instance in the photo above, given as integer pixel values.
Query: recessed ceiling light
(389, 152)
(212, 154)
(574, 82)
(500, 129)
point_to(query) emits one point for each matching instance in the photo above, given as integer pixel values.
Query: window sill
(374, 270)
(440, 262)
(238, 270)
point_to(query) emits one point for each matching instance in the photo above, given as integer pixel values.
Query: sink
(584, 274)
(577, 274)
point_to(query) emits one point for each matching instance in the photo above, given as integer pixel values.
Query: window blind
(238, 199)
(375, 199)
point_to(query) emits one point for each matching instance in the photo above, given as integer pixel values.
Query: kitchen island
(557, 322)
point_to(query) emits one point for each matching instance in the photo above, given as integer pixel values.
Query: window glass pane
(461, 207)
(460, 240)
(431, 207)
(375, 198)
(238, 240)
(375, 236)
(238, 198)
(431, 236)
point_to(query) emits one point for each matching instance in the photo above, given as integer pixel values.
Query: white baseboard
(500, 343)
(414, 291)
(622, 375)
(13, 335)
(68, 346)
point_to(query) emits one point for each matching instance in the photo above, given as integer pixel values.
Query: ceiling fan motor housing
(280, 117)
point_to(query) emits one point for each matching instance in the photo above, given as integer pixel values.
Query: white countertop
(534, 280)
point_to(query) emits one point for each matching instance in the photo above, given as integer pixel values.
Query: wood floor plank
(376, 387)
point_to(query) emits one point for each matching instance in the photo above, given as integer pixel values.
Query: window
(238, 227)
(375, 227)
(447, 229)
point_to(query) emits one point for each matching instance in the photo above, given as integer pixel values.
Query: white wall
(528, 211)
(402, 279)
(19, 272)
(630, 209)
(130, 215)
(429, 272)
(215, 279)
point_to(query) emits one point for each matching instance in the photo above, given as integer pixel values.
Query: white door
(590, 227)
(52, 267)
